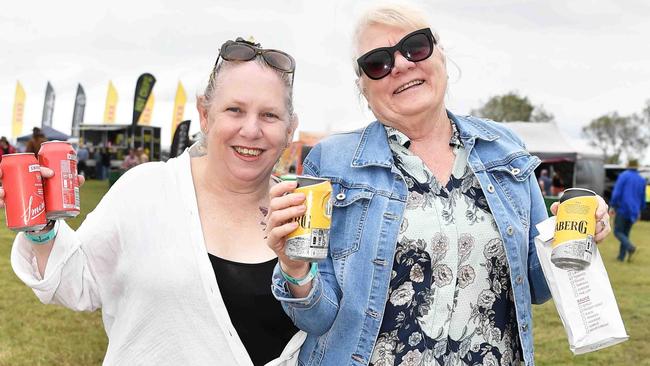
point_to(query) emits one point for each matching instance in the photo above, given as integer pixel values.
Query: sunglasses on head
(415, 46)
(241, 50)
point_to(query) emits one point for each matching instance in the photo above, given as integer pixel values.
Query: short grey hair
(394, 15)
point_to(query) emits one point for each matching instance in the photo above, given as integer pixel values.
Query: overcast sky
(579, 59)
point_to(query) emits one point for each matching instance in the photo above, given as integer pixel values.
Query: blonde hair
(393, 15)
(209, 94)
(224, 65)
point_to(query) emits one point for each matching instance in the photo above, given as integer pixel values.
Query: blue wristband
(313, 270)
(45, 237)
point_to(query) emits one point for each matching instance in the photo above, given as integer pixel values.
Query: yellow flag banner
(145, 117)
(18, 113)
(179, 107)
(111, 104)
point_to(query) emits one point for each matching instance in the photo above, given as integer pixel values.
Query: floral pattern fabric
(450, 299)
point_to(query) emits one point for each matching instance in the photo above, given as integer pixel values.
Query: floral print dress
(450, 299)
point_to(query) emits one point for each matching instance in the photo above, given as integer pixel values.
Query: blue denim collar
(471, 129)
(370, 153)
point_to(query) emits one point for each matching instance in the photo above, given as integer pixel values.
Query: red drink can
(61, 190)
(23, 185)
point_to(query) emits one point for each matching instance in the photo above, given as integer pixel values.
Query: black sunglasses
(416, 46)
(241, 50)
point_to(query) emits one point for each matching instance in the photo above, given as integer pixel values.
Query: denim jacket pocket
(517, 167)
(349, 211)
(512, 174)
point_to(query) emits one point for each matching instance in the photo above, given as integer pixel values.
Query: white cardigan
(140, 256)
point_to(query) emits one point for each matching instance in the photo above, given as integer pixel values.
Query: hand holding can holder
(310, 241)
(575, 229)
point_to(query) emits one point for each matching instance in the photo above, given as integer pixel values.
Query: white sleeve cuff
(24, 264)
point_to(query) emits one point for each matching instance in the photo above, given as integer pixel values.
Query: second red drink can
(61, 190)
(23, 185)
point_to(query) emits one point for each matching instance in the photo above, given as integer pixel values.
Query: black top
(261, 324)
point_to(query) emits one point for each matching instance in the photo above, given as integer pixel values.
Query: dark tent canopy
(50, 134)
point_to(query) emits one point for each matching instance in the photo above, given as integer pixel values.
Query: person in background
(96, 153)
(82, 160)
(130, 160)
(104, 163)
(431, 255)
(5, 147)
(34, 144)
(174, 254)
(545, 182)
(627, 203)
(557, 184)
(143, 157)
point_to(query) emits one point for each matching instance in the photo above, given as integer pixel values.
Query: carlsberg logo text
(303, 221)
(579, 226)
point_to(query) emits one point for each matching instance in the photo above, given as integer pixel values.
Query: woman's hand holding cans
(41, 251)
(45, 173)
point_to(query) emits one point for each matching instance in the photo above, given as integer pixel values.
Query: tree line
(616, 136)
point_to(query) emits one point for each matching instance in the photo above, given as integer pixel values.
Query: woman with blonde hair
(174, 254)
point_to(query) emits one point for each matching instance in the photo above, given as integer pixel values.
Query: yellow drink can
(575, 228)
(310, 241)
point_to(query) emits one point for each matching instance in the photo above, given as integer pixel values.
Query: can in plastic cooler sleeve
(309, 242)
(575, 228)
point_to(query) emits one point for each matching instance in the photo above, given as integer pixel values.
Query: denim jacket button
(490, 188)
(519, 279)
(515, 171)
(524, 327)
(340, 196)
(510, 230)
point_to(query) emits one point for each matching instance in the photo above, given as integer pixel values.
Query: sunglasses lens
(238, 52)
(417, 47)
(279, 60)
(377, 64)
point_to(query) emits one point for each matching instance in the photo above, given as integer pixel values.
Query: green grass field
(36, 334)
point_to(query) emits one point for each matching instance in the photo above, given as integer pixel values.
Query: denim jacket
(342, 313)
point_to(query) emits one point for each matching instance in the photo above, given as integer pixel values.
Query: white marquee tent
(546, 141)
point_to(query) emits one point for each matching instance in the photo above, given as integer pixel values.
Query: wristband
(313, 270)
(45, 237)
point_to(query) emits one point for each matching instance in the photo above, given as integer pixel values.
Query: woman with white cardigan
(175, 254)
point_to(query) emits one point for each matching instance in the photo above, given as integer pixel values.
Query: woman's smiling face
(411, 88)
(247, 122)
